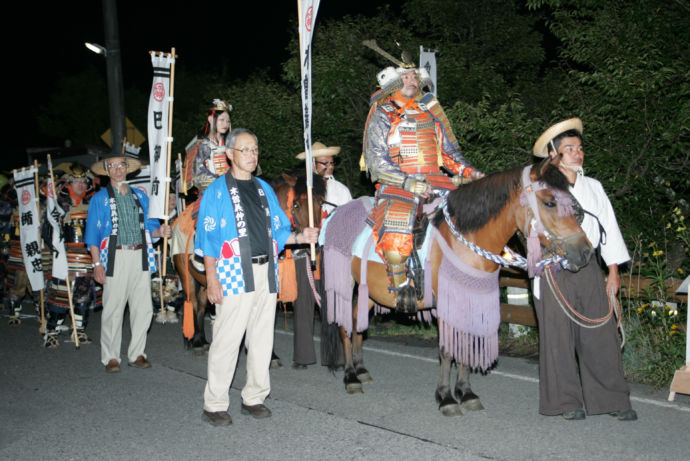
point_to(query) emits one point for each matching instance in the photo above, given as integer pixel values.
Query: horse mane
(473, 205)
(318, 184)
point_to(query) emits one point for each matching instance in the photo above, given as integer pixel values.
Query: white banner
(54, 213)
(307, 19)
(28, 224)
(159, 107)
(142, 181)
(427, 60)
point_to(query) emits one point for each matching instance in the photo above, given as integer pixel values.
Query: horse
(484, 214)
(291, 191)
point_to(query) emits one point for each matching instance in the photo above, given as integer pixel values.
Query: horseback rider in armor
(407, 142)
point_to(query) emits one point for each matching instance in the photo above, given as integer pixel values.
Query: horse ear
(291, 180)
(544, 164)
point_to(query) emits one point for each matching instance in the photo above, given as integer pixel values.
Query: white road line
(529, 379)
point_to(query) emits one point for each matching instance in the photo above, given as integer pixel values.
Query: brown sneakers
(217, 418)
(257, 411)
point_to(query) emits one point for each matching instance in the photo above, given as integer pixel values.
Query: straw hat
(541, 147)
(98, 168)
(320, 150)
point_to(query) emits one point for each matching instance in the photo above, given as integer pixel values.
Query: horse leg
(199, 342)
(352, 384)
(463, 392)
(358, 352)
(447, 405)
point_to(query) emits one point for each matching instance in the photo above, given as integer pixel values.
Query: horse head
(293, 197)
(549, 221)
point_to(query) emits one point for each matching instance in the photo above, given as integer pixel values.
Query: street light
(96, 48)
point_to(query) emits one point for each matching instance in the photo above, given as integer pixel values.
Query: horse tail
(331, 344)
(188, 312)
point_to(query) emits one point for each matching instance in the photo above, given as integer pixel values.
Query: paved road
(60, 404)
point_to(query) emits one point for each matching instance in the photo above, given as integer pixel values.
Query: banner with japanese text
(307, 19)
(427, 60)
(54, 213)
(29, 226)
(159, 106)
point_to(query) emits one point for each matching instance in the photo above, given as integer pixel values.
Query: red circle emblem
(158, 92)
(308, 18)
(26, 197)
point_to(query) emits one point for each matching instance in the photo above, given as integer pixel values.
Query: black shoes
(218, 418)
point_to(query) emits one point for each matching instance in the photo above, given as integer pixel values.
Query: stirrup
(50, 341)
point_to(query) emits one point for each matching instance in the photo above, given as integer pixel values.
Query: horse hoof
(473, 405)
(354, 388)
(450, 410)
(365, 377)
(275, 363)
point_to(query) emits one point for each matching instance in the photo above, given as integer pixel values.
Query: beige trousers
(128, 285)
(252, 314)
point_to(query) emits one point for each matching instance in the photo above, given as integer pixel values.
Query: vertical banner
(307, 19)
(159, 106)
(28, 225)
(54, 213)
(427, 60)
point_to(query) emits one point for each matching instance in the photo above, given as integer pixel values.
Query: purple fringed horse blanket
(468, 306)
(467, 302)
(342, 229)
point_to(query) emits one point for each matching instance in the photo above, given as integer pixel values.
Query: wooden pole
(163, 313)
(163, 269)
(75, 337)
(42, 329)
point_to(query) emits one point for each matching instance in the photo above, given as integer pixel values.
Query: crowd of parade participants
(237, 231)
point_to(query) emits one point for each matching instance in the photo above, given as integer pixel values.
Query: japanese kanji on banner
(307, 19)
(427, 60)
(54, 213)
(28, 225)
(159, 106)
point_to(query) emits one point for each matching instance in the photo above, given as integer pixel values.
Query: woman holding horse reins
(580, 365)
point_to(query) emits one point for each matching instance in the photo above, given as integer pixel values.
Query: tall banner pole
(42, 330)
(167, 183)
(306, 10)
(75, 337)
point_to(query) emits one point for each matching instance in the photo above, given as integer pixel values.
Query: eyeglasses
(326, 163)
(117, 165)
(248, 150)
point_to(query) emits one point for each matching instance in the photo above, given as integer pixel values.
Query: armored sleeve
(202, 175)
(379, 163)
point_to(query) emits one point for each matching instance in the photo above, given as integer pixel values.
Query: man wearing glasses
(240, 231)
(337, 193)
(118, 235)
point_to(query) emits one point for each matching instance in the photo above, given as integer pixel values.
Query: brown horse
(292, 195)
(486, 213)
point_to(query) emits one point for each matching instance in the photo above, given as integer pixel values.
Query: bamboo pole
(42, 329)
(75, 337)
(307, 164)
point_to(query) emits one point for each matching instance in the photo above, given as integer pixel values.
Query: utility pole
(116, 94)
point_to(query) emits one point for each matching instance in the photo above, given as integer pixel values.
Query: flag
(427, 60)
(54, 213)
(179, 187)
(159, 107)
(28, 224)
(307, 19)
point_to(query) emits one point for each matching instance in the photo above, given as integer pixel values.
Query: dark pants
(579, 367)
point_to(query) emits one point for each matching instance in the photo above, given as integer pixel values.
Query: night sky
(50, 45)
